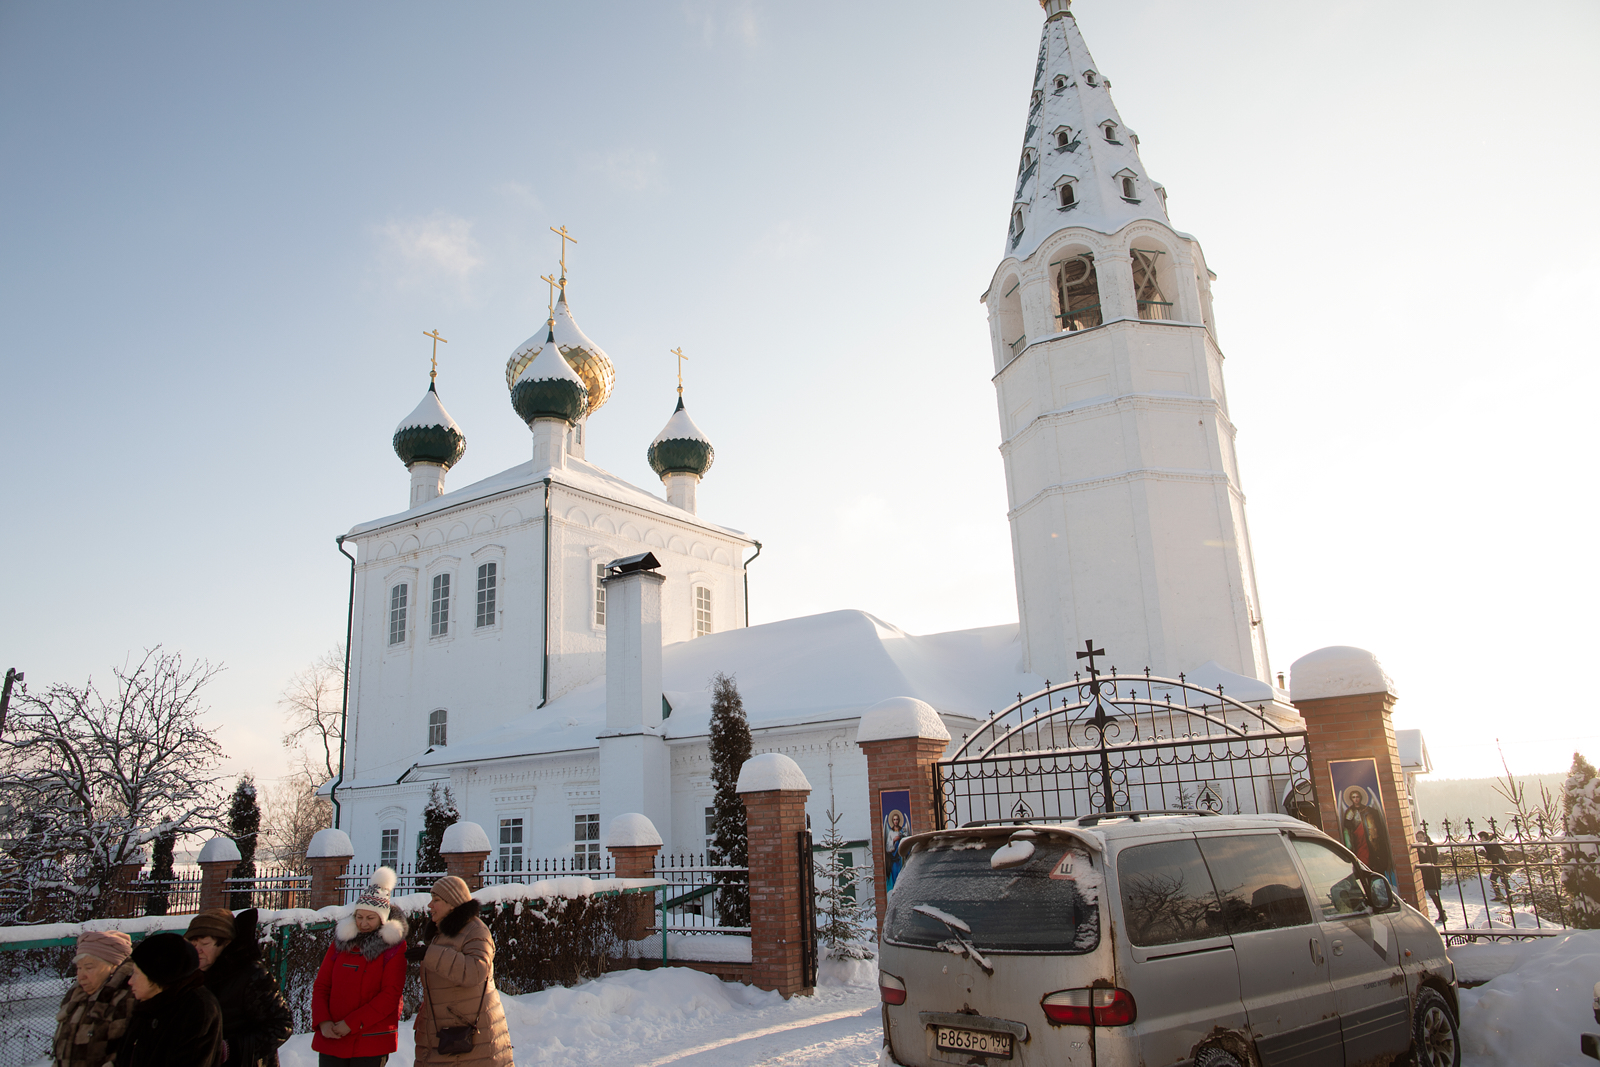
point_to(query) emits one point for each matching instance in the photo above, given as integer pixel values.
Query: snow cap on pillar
(899, 717)
(219, 849)
(1338, 671)
(632, 830)
(329, 842)
(770, 771)
(464, 837)
(429, 435)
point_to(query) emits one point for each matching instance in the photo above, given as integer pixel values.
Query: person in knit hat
(255, 1017)
(93, 1019)
(458, 990)
(356, 998)
(209, 933)
(177, 1022)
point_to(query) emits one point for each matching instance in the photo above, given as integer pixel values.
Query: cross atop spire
(553, 283)
(681, 357)
(433, 374)
(565, 237)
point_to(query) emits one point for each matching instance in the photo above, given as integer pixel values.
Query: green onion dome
(592, 365)
(548, 387)
(430, 435)
(680, 447)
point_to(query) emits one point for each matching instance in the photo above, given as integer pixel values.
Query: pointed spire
(1075, 140)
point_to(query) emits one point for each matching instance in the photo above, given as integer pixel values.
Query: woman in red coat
(355, 1002)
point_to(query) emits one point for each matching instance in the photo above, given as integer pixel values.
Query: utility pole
(12, 675)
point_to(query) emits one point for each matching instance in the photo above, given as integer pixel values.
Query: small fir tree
(161, 874)
(730, 748)
(436, 818)
(244, 826)
(844, 923)
(1580, 873)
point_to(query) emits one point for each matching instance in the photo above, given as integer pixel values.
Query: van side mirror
(1379, 895)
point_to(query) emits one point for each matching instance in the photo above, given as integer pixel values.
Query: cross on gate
(1089, 653)
(434, 373)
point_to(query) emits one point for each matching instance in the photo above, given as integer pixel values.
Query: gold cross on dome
(553, 283)
(434, 373)
(565, 237)
(681, 357)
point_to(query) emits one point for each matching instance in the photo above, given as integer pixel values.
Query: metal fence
(1499, 883)
(695, 898)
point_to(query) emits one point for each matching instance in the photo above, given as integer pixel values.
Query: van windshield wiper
(957, 944)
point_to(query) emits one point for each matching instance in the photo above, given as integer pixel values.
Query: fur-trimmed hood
(346, 938)
(459, 917)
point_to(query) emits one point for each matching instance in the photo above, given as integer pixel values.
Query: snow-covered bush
(844, 925)
(439, 814)
(1580, 870)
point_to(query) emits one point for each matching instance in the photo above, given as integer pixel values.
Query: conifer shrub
(844, 919)
(730, 748)
(437, 816)
(1580, 870)
(244, 826)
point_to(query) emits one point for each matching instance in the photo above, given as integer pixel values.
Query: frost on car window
(1048, 902)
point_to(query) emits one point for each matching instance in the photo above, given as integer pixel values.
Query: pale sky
(224, 228)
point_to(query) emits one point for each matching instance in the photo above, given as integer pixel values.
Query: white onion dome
(680, 447)
(548, 387)
(585, 357)
(429, 435)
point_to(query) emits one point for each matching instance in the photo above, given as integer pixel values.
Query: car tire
(1216, 1056)
(1435, 1037)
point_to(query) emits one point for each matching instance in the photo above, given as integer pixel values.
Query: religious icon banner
(895, 810)
(1362, 820)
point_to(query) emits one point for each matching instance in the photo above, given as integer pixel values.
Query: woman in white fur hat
(355, 1002)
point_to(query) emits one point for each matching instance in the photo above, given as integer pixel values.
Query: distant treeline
(1476, 798)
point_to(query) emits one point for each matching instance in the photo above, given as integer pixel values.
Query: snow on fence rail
(1506, 884)
(555, 931)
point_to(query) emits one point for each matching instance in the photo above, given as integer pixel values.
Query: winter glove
(415, 953)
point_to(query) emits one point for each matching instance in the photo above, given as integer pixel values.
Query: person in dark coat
(1500, 869)
(1428, 864)
(177, 1022)
(356, 999)
(255, 1017)
(94, 1015)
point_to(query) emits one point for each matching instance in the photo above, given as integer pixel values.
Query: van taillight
(891, 989)
(1090, 1007)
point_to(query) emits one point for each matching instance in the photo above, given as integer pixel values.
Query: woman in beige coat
(458, 982)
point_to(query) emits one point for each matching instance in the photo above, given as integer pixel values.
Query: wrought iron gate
(808, 909)
(1106, 742)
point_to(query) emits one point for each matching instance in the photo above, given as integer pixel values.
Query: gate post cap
(463, 837)
(769, 771)
(219, 849)
(899, 717)
(1338, 671)
(329, 843)
(632, 830)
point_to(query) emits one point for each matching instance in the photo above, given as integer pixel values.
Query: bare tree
(89, 777)
(293, 813)
(311, 704)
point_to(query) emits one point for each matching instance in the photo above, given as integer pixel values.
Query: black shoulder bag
(454, 1040)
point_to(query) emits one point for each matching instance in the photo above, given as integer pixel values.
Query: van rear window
(1049, 902)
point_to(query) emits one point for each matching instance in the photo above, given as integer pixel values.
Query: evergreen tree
(436, 817)
(244, 826)
(844, 924)
(730, 748)
(1580, 874)
(161, 874)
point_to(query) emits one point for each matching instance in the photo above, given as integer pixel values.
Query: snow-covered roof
(1413, 751)
(1212, 674)
(1336, 671)
(680, 428)
(428, 413)
(965, 673)
(1090, 157)
(578, 474)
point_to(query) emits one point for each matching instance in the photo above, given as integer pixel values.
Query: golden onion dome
(584, 356)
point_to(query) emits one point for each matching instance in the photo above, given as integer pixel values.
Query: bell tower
(1127, 517)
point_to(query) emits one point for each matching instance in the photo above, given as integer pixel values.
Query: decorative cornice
(1160, 474)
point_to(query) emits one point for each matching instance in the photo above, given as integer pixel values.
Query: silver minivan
(1157, 938)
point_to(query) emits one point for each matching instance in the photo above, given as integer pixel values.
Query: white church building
(492, 652)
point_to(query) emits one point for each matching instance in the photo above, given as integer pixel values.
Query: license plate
(981, 1042)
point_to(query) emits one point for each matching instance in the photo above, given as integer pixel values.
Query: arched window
(702, 611)
(600, 594)
(1016, 225)
(1077, 292)
(1111, 132)
(439, 607)
(1147, 286)
(397, 613)
(1064, 137)
(1027, 160)
(488, 582)
(1128, 189)
(438, 734)
(1061, 82)
(1068, 197)
(1091, 77)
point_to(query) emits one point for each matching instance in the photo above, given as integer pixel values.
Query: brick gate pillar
(903, 737)
(774, 791)
(218, 858)
(465, 847)
(328, 855)
(1346, 699)
(633, 843)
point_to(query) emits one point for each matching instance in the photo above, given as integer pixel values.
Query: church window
(397, 614)
(1068, 197)
(1111, 132)
(1077, 293)
(389, 847)
(599, 594)
(702, 611)
(488, 579)
(711, 828)
(1091, 77)
(1128, 189)
(1016, 224)
(438, 728)
(511, 844)
(439, 609)
(1147, 286)
(1061, 82)
(1064, 137)
(1027, 160)
(586, 842)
